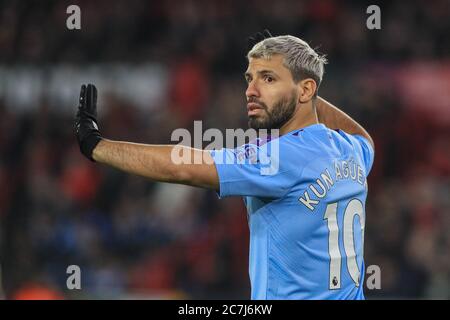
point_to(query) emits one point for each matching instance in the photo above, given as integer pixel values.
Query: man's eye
(268, 79)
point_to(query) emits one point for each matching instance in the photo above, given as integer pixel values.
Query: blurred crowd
(135, 238)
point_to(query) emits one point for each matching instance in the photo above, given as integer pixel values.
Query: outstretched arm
(159, 162)
(165, 163)
(335, 118)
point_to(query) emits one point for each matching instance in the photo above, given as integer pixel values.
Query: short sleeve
(253, 170)
(368, 154)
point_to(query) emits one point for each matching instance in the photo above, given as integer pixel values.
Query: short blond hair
(299, 57)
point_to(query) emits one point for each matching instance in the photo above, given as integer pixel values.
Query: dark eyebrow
(260, 72)
(263, 72)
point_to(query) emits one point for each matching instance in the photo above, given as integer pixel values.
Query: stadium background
(158, 66)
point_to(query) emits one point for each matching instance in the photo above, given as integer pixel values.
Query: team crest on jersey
(247, 154)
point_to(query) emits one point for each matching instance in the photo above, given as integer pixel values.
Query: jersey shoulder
(353, 144)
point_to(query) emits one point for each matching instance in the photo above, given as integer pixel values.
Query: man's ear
(306, 89)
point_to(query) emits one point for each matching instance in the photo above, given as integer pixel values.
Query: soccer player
(306, 218)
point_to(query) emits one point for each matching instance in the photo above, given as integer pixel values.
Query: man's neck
(304, 116)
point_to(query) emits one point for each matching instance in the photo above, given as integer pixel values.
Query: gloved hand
(86, 129)
(258, 37)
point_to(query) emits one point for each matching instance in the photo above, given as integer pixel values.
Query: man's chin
(256, 123)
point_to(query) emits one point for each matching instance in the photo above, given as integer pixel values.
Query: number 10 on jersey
(354, 207)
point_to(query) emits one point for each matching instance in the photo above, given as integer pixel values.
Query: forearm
(335, 118)
(157, 162)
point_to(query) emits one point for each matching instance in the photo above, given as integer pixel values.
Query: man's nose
(252, 90)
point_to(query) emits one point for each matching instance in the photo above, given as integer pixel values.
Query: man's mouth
(253, 108)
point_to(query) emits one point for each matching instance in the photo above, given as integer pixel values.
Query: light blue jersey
(306, 215)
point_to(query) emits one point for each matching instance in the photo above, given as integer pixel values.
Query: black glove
(258, 37)
(86, 128)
